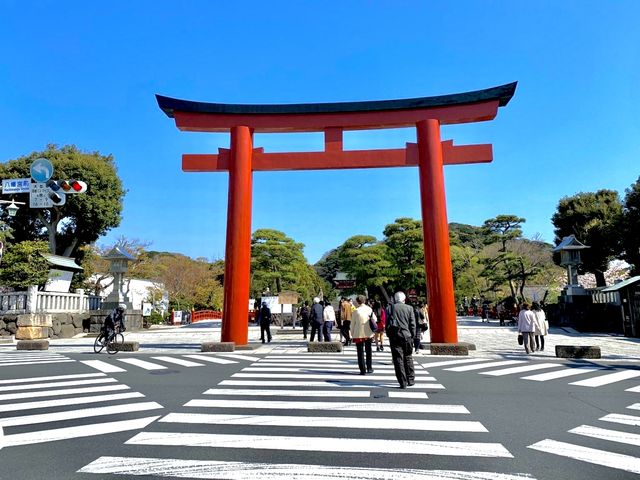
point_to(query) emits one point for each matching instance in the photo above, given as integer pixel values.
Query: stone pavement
(491, 340)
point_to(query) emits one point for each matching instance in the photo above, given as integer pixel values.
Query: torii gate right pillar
(435, 230)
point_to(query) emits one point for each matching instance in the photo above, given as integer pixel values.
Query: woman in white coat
(527, 327)
(542, 327)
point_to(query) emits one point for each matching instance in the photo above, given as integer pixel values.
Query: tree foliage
(24, 265)
(631, 226)
(594, 219)
(84, 217)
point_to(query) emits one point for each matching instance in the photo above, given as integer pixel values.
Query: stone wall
(8, 325)
(133, 320)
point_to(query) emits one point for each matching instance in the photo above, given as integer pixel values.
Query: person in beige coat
(542, 326)
(361, 333)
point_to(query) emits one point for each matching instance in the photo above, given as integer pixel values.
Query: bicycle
(113, 342)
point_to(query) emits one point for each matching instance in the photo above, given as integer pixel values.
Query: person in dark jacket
(304, 319)
(264, 319)
(401, 331)
(316, 318)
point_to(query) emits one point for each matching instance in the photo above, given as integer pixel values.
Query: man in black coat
(401, 330)
(304, 319)
(317, 318)
(264, 319)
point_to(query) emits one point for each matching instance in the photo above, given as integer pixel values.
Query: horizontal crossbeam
(338, 159)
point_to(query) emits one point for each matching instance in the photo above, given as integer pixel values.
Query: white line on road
(407, 395)
(103, 366)
(328, 376)
(322, 444)
(36, 362)
(69, 383)
(604, 434)
(622, 419)
(236, 356)
(327, 422)
(607, 379)
(179, 361)
(207, 358)
(452, 362)
(77, 432)
(633, 389)
(589, 455)
(289, 393)
(142, 364)
(355, 383)
(220, 470)
(66, 391)
(635, 406)
(344, 406)
(51, 377)
(82, 413)
(312, 361)
(523, 368)
(59, 402)
(567, 372)
(321, 368)
(468, 368)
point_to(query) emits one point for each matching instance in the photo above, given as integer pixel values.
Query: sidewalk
(491, 340)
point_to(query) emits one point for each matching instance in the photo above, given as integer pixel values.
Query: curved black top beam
(502, 93)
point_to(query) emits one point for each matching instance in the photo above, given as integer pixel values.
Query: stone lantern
(569, 249)
(119, 260)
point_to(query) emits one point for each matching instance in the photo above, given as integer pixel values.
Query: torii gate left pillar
(430, 154)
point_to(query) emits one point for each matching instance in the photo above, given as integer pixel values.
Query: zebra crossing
(89, 399)
(603, 457)
(597, 375)
(163, 362)
(15, 358)
(319, 412)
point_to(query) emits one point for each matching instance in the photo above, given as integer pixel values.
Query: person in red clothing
(382, 320)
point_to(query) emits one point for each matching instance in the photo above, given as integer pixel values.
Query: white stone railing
(33, 301)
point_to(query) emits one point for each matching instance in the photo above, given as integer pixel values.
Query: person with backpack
(115, 320)
(264, 319)
(401, 331)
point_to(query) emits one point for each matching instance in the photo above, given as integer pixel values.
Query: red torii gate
(430, 154)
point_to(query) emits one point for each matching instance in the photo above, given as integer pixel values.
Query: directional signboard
(16, 185)
(40, 196)
(41, 170)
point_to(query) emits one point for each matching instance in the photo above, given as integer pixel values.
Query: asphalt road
(311, 416)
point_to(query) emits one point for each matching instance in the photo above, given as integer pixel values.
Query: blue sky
(85, 73)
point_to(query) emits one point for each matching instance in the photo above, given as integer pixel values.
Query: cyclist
(115, 319)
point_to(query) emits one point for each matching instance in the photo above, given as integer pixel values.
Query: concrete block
(67, 331)
(249, 346)
(6, 340)
(460, 349)
(573, 351)
(470, 346)
(217, 347)
(33, 345)
(128, 346)
(324, 347)
(35, 320)
(32, 333)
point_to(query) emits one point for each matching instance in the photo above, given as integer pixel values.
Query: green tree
(595, 220)
(365, 260)
(24, 265)
(502, 229)
(631, 226)
(84, 217)
(403, 239)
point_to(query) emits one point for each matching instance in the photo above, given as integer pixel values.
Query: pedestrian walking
(329, 317)
(316, 318)
(345, 317)
(401, 330)
(382, 321)
(541, 327)
(361, 333)
(527, 327)
(264, 319)
(304, 319)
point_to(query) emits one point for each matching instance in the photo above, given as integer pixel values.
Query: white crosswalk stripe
(8, 359)
(179, 361)
(211, 359)
(598, 376)
(62, 392)
(220, 470)
(103, 366)
(159, 362)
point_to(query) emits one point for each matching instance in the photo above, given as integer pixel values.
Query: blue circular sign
(41, 170)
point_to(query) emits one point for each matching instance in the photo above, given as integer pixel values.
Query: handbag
(372, 325)
(520, 339)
